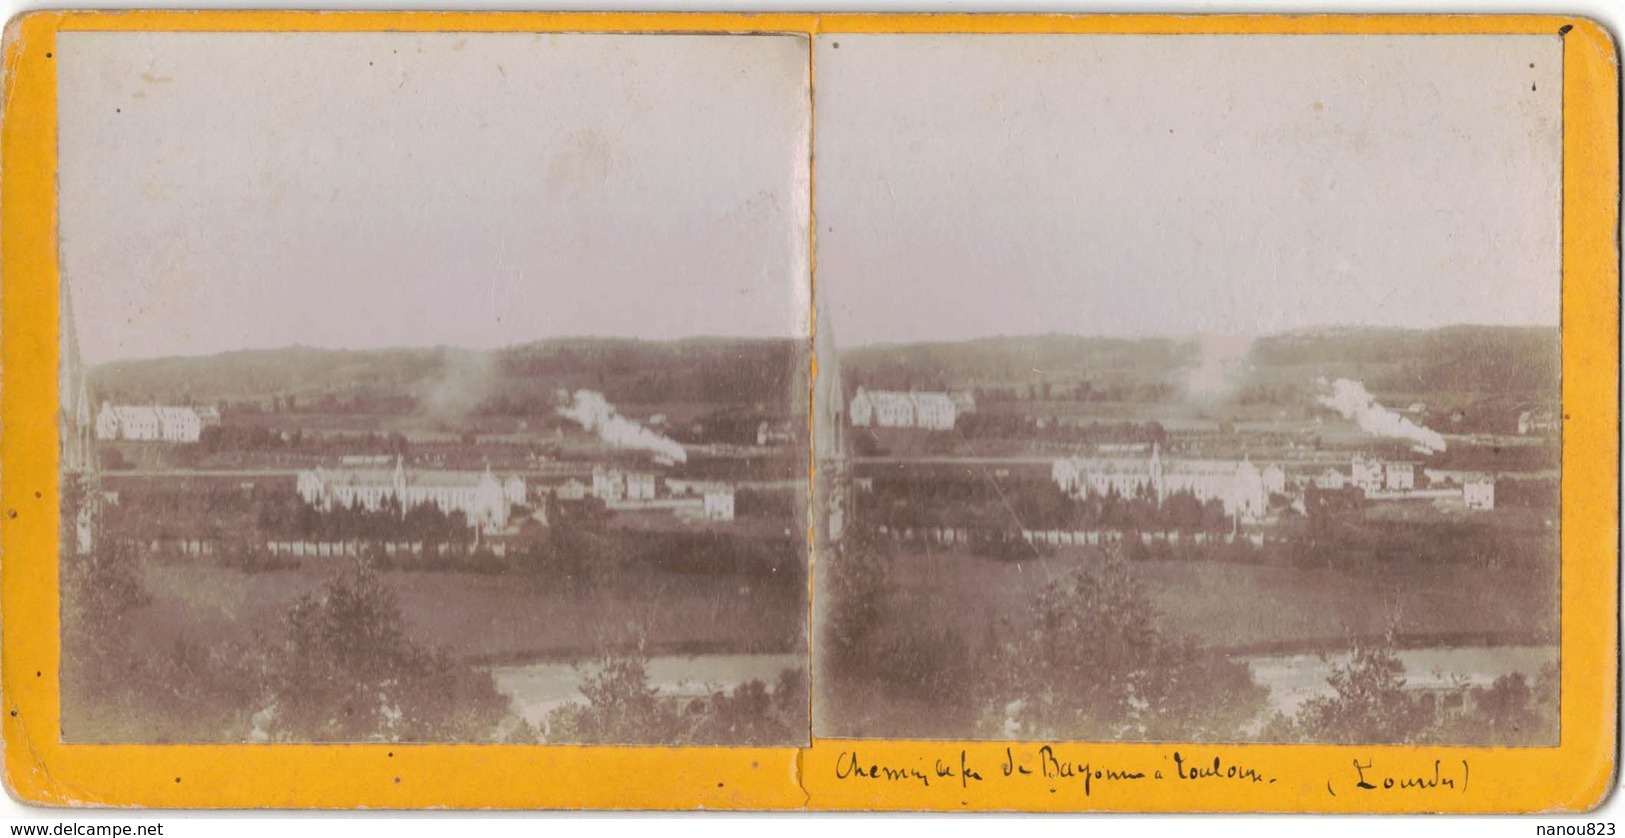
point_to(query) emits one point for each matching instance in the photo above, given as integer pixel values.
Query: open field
(1249, 608)
(507, 617)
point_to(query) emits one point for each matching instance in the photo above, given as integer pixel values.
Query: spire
(1157, 483)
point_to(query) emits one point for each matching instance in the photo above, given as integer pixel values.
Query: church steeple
(829, 432)
(1157, 483)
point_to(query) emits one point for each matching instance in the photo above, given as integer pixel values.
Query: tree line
(342, 667)
(1090, 658)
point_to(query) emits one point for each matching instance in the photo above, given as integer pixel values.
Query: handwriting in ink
(1377, 780)
(1051, 766)
(1218, 770)
(848, 765)
(965, 773)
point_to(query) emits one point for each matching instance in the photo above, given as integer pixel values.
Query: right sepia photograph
(1187, 388)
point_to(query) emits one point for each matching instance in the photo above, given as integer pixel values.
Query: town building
(1372, 475)
(1536, 422)
(933, 411)
(571, 490)
(893, 409)
(140, 423)
(482, 497)
(774, 433)
(719, 504)
(612, 485)
(1478, 492)
(1239, 486)
(1366, 475)
(1399, 477)
(608, 484)
(1331, 480)
(179, 424)
(640, 486)
(881, 409)
(1274, 478)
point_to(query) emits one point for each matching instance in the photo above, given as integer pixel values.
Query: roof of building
(176, 414)
(1207, 467)
(126, 413)
(885, 398)
(938, 401)
(137, 412)
(1093, 465)
(430, 479)
(1170, 467)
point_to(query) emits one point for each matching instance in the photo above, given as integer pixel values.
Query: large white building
(1239, 486)
(482, 497)
(1478, 492)
(640, 486)
(608, 484)
(1371, 476)
(892, 409)
(613, 485)
(137, 423)
(718, 504)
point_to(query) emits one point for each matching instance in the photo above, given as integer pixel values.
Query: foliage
(187, 693)
(347, 671)
(1369, 703)
(1004, 505)
(1095, 663)
(856, 586)
(101, 592)
(284, 516)
(755, 715)
(622, 708)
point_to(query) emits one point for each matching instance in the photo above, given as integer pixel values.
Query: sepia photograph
(1188, 388)
(434, 387)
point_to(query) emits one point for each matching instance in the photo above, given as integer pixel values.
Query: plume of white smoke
(1220, 367)
(1350, 399)
(595, 414)
(466, 379)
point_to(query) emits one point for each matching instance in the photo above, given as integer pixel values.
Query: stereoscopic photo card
(920, 412)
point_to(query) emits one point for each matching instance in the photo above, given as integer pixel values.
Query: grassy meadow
(1247, 607)
(495, 616)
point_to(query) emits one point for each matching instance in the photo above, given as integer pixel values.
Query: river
(1293, 679)
(537, 688)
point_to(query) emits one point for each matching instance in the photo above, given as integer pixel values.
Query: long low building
(889, 409)
(1242, 487)
(145, 423)
(482, 497)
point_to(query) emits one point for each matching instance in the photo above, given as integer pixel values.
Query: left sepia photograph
(434, 387)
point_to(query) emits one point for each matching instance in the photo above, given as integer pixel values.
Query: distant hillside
(718, 371)
(1471, 364)
(1480, 362)
(1010, 360)
(1484, 360)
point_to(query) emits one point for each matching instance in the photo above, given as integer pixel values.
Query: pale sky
(1164, 185)
(224, 191)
